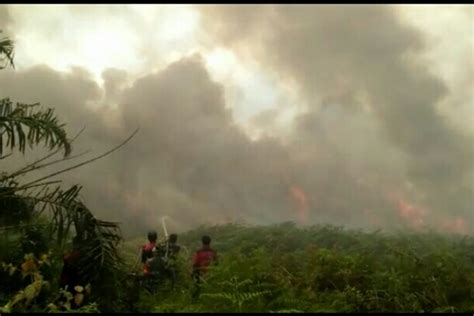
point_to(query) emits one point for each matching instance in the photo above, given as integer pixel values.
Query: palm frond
(41, 162)
(42, 127)
(6, 52)
(23, 125)
(79, 164)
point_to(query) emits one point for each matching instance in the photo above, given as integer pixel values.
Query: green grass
(321, 269)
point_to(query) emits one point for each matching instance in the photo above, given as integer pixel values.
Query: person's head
(152, 236)
(173, 238)
(206, 240)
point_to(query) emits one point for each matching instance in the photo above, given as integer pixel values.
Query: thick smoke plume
(370, 150)
(359, 61)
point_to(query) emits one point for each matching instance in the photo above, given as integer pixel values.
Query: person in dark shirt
(172, 250)
(173, 247)
(70, 274)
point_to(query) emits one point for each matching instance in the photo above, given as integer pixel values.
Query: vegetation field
(324, 269)
(279, 268)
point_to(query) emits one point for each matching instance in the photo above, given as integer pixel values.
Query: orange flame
(415, 216)
(412, 214)
(300, 198)
(457, 225)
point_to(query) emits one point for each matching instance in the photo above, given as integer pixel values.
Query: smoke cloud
(370, 148)
(360, 60)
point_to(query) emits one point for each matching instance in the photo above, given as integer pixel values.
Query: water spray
(164, 225)
(166, 235)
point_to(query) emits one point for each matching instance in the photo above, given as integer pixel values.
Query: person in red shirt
(202, 259)
(147, 251)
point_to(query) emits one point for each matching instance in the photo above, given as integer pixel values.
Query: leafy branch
(236, 292)
(6, 52)
(42, 125)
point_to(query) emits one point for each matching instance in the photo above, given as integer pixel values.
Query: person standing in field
(202, 259)
(147, 251)
(71, 278)
(163, 265)
(172, 250)
(173, 247)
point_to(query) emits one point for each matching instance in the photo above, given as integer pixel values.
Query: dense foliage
(278, 268)
(323, 269)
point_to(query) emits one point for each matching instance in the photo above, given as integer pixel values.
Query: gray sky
(351, 115)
